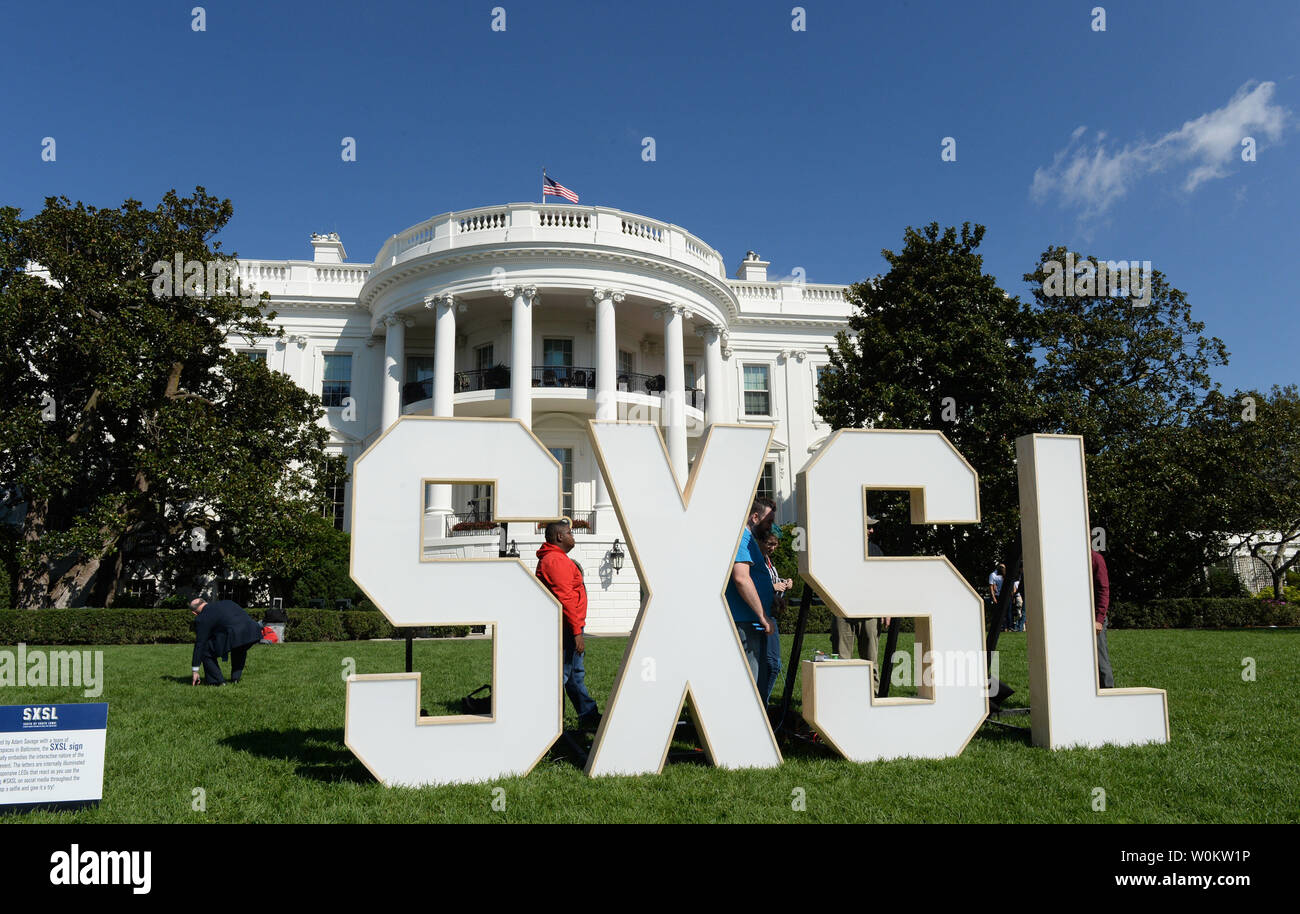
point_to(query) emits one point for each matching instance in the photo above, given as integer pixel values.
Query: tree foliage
(1133, 379)
(1261, 481)
(132, 440)
(323, 572)
(936, 344)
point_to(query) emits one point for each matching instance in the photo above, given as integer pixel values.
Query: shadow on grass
(320, 753)
(1002, 731)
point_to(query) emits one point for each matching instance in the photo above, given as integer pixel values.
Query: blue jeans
(755, 644)
(751, 639)
(772, 655)
(575, 679)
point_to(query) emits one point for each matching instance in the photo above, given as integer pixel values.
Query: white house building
(554, 315)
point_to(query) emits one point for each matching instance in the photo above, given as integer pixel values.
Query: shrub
(1203, 612)
(324, 573)
(1185, 612)
(176, 626)
(819, 620)
(1225, 583)
(96, 626)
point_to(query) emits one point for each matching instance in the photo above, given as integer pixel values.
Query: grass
(271, 748)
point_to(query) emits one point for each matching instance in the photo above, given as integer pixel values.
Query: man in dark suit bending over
(223, 628)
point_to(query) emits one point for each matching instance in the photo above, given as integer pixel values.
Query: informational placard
(52, 756)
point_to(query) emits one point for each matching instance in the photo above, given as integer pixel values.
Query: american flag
(553, 188)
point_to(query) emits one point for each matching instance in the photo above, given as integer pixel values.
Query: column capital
(726, 344)
(392, 320)
(528, 292)
(299, 340)
(670, 309)
(614, 295)
(442, 299)
(796, 354)
(710, 332)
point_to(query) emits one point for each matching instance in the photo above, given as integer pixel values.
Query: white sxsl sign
(683, 540)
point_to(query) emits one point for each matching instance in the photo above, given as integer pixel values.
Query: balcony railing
(584, 522)
(546, 222)
(473, 523)
(476, 523)
(498, 378)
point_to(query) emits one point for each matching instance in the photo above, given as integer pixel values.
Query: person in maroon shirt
(1101, 596)
(563, 577)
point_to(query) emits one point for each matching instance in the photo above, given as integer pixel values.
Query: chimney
(327, 248)
(752, 269)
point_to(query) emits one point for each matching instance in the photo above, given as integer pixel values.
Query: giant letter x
(684, 642)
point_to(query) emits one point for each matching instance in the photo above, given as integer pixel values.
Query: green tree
(132, 439)
(323, 568)
(1134, 380)
(936, 344)
(1261, 475)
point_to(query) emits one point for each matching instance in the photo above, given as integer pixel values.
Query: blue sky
(815, 148)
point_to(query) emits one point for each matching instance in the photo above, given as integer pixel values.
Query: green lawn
(271, 748)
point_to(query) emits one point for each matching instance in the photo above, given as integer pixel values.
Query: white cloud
(1091, 177)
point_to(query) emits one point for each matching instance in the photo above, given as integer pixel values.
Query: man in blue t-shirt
(750, 591)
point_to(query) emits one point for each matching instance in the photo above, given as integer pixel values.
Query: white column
(714, 400)
(394, 349)
(674, 404)
(444, 393)
(521, 352)
(521, 368)
(444, 353)
(606, 391)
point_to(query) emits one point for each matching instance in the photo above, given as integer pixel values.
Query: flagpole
(543, 185)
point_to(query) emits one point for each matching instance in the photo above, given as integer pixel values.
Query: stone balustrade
(545, 222)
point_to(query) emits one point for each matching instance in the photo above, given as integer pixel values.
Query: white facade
(553, 314)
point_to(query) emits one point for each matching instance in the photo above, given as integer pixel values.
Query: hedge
(176, 626)
(1189, 612)
(819, 620)
(1204, 612)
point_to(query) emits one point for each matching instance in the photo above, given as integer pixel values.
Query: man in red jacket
(563, 577)
(1101, 596)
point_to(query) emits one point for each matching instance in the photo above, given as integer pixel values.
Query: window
(255, 355)
(767, 482)
(819, 372)
(337, 385)
(690, 376)
(557, 353)
(758, 396)
(557, 358)
(419, 368)
(483, 357)
(565, 456)
(626, 364)
(334, 507)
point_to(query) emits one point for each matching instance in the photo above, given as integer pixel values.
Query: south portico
(596, 324)
(554, 315)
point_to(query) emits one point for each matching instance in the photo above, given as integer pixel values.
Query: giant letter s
(384, 728)
(949, 614)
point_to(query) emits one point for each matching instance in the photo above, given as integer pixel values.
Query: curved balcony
(516, 222)
(479, 252)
